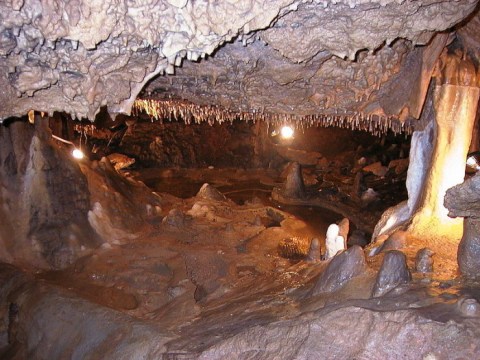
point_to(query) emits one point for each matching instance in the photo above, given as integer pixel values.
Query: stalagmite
(294, 186)
(334, 242)
(455, 101)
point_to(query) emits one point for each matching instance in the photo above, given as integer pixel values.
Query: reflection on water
(183, 188)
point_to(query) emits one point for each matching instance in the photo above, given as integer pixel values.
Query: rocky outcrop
(463, 200)
(40, 320)
(45, 199)
(403, 334)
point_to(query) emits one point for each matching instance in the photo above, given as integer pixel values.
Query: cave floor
(211, 275)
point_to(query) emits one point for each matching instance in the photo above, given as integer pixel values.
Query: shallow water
(242, 192)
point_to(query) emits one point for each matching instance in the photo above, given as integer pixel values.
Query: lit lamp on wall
(286, 132)
(284, 135)
(473, 162)
(77, 153)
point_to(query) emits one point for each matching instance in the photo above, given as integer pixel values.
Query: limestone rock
(376, 168)
(175, 219)
(399, 165)
(41, 309)
(468, 255)
(45, 199)
(343, 229)
(104, 54)
(301, 156)
(314, 251)
(369, 196)
(294, 248)
(424, 261)
(294, 186)
(468, 307)
(205, 269)
(357, 237)
(396, 241)
(333, 242)
(384, 335)
(120, 161)
(209, 192)
(463, 200)
(393, 272)
(340, 270)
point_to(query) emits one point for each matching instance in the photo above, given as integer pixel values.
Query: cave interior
(248, 179)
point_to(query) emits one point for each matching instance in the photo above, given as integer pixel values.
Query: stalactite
(188, 112)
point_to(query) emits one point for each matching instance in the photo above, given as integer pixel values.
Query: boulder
(120, 161)
(399, 165)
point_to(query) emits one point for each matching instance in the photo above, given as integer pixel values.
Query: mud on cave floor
(209, 269)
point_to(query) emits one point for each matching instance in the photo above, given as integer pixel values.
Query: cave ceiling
(280, 56)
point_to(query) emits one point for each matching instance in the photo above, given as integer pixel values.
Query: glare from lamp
(77, 154)
(286, 132)
(472, 162)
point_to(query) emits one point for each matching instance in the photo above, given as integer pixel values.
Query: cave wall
(44, 199)
(174, 144)
(237, 144)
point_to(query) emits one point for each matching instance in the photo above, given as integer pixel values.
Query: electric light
(286, 132)
(473, 163)
(77, 154)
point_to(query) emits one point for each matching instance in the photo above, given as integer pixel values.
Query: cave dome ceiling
(277, 56)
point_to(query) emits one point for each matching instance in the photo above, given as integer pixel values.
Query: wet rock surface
(294, 186)
(396, 241)
(393, 272)
(314, 251)
(424, 261)
(196, 277)
(205, 280)
(342, 268)
(462, 200)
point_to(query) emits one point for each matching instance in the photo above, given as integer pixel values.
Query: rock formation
(462, 201)
(294, 186)
(77, 57)
(333, 241)
(147, 275)
(393, 272)
(424, 261)
(341, 269)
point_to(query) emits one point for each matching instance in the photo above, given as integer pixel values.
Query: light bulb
(77, 154)
(286, 132)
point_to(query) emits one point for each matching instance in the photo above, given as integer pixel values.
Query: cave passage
(243, 179)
